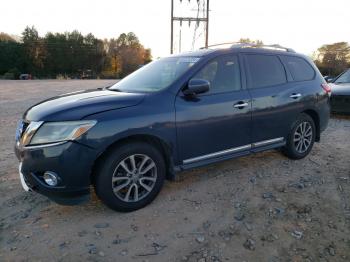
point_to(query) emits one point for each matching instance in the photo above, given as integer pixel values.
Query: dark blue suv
(173, 114)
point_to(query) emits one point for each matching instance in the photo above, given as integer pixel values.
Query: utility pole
(172, 28)
(180, 19)
(207, 26)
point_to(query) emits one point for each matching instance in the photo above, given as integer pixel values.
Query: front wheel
(301, 138)
(130, 176)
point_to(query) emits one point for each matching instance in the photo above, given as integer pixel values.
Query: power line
(198, 20)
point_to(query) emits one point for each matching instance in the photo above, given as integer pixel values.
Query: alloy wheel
(303, 137)
(134, 178)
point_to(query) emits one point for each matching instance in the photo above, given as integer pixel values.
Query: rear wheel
(301, 138)
(130, 176)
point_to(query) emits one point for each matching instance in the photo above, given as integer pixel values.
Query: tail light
(326, 88)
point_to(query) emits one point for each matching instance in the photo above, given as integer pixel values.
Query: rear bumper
(340, 104)
(72, 162)
(324, 113)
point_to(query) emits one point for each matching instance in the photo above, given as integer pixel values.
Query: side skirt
(230, 154)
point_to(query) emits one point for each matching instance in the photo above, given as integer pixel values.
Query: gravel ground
(263, 207)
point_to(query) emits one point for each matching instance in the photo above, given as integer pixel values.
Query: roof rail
(275, 46)
(227, 43)
(252, 45)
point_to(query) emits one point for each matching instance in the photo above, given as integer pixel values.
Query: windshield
(155, 76)
(344, 78)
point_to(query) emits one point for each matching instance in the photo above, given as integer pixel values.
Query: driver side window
(223, 74)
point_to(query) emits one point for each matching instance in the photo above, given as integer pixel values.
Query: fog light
(50, 178)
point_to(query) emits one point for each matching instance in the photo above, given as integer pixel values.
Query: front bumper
(71, 161)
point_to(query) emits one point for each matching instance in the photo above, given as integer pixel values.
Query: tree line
(74, 55)
(70, 54)
(333, 59)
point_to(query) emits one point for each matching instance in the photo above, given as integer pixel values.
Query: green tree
(129, 52)
(12, 56)
(71, 54)
(333, 59)
(58, 59)
(34, 50)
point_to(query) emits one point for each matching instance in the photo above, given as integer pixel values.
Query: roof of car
(240, 48)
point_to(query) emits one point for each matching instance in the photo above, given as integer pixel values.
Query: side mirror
(196, 86)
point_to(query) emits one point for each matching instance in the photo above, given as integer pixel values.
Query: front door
(217, 123)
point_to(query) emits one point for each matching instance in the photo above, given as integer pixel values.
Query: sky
(303, 25)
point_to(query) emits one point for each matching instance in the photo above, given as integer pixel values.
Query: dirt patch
(263, 207)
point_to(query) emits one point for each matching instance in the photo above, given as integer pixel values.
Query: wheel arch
(161, 145)
(316, 118)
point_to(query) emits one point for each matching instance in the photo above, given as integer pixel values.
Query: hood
(340, 89)
(77, 105)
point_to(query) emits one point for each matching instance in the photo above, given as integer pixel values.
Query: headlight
(52, 132)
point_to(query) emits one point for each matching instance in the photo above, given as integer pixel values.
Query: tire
(295, 148)
(130, 189)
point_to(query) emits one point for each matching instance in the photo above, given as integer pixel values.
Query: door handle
(240, 105)
(295, 96)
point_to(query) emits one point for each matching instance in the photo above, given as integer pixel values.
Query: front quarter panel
(155, 116)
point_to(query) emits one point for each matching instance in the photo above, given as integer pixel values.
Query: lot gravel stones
(263, 207)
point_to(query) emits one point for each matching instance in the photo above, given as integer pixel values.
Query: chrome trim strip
(220, 153)
(267, 142)
(45, 145)
(233, 150)
(295, 95)
(240, 105)
(30, 131)
(21, 176)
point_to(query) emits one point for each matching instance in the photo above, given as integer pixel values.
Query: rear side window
(299, 68)
(265, 70)
(343, 78)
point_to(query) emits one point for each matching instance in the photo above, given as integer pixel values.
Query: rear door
(276, 99)
(217, 123)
